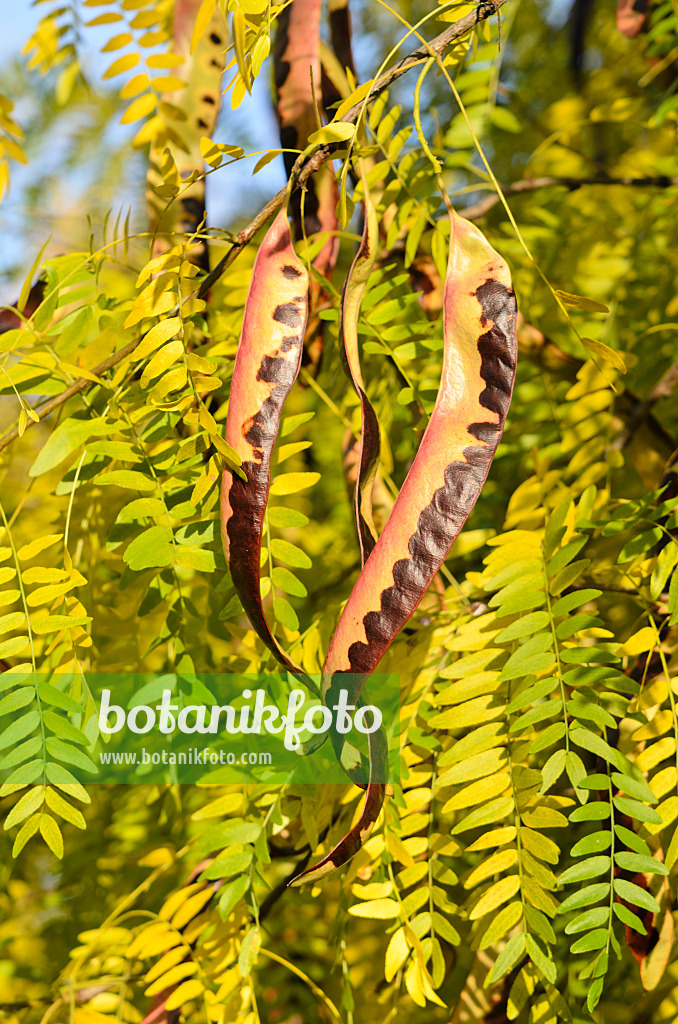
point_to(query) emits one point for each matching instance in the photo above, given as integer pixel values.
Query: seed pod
(340, 34)
(196, 109)
(266, 366)
(453, 460)
(442, 486)
(297, 61)
(368, 445)
(631, 15)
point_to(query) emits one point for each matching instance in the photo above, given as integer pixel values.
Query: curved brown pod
(368, 444)
(453, 460)
(442, 486)
(266, 366)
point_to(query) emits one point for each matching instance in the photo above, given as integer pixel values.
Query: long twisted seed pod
(266, 366)
(196, 107)
(441, 488)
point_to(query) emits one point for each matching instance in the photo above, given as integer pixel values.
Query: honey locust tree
(521, 864)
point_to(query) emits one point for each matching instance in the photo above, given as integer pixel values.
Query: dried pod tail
(266, 366)
(444, 481)
(368, 446)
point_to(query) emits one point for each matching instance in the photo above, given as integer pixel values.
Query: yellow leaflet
(142, 106)
(398, 850)
(239, 30)
(122, 64)
(217, 808)
(581, 302)
(192, 907)
(506, 919)
(136, 85)
(471, 664)
(664, 781)
(38, 545)
(497, 837)
(152, 940)
(356, 96)
(487, 762)
(668, 812)
(539, 845)
(69, 813)
(381, 910)
(51, 833)
(544, 817)
(644, 640)
(28, 829)
(478, 792)
(117, 42)
(189, 990)
(473, 712)
(44, 595)
(29, 802)
(494, 865)
(474, 686)
(372, 891)
(497, 894)
(397, 952)
(657, 726)
(176, 974)
(202, 20)
(540, 899)
(161, 361)
(174, 901)
(652, 755)
(538, 871)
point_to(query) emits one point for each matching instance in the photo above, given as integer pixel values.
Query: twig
(438, 45)
(662, 389)
(301, 174)
(479, 209)
(45, 408)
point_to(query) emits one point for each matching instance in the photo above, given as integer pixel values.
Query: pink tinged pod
(443, 484)
(266, 366)
(631, 16)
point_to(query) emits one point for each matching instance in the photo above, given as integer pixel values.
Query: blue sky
(15, 30)
(233, 193)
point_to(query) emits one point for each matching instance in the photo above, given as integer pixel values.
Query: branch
(300, 174)
(661, 390)
(303, 171)
(532, 184)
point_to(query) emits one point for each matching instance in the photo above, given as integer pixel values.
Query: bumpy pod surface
(441, 488)
(266, 366)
